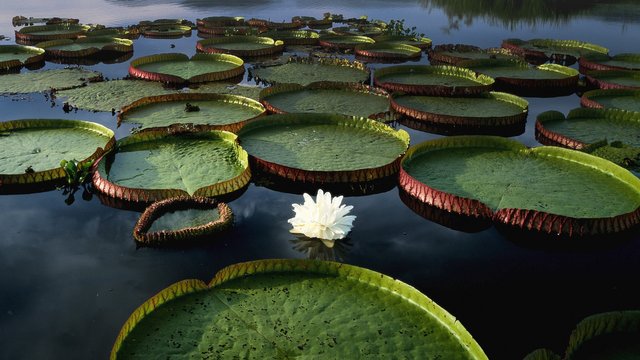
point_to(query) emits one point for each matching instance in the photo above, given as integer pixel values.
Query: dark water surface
(71, 275)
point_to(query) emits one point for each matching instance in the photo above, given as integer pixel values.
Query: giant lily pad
(179, 68)
(539, 51)
(490, 113)
(46, 80)
(207, 111)
(15, 56)
(432, 80)
(520, 78)
(176, 220)
(326, 97)
(369, 30)
(31, 34)
(344, 42)
(293, 308)
(614, 79)
(241, 45)
(420, 42)
(606, 62)
(218, 21)
(170, 31)
(545, 189)
(611, 335)
(304, 71)
(388, 51)
(32, 149)
(86, 46)
(294, 37)
(623, 99)
(324, 148)
(452, 54)
(158, 164)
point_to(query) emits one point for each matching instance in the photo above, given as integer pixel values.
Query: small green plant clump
(397, 28)
(616, 152)
(77, 173)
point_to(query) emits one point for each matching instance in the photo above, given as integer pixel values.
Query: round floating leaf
(612, 335)
(422, 43)
(294, 37)
(520, 78)
(206, 111)
(33, 148)
(46, 80)
(15, 56)
(546, 189)
(294, 308)
(176, 220)
(367, 30)
(178, 68)
(241, 45)
(432, 80)
(614, 79)
(606, 62)
(167, 31)
(86, 46)
(324, 148)
(157, 164)
(541, 50)
(344, 42)
(326, 97)
(224, 31)
(304, 71)
(389, 50)
(489, 113)
(452, 54)
(218, 21)
(624, 99)
(36, 33)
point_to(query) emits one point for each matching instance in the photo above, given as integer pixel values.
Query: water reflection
(318, 249)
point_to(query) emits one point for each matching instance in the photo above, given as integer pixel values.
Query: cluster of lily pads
(325, 120)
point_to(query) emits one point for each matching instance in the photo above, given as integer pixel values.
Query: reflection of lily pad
(32, 149)
(324, 147)
(452, 54)
(155, 165)
(179, 68)
(614, 79)
(541, 50)
(176, 220)
(294, 308)
(520, 78)
(546, 189)
(304, 71)
(86, 46)
(241, 45)
(15, 56)
(45, 80)
(624, 99)
(50, 32)
(490, 113)
(326, 97)
(432, 80)
(344, 42)
(606, 62)
(207, 111)
(393, 51)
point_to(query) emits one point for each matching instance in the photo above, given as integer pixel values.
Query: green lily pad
(551, 48)
(32, 149)
(294, 308)
(15, 56)
(542, 354)
(46, 80)
(50, 32)
(158, 164)
(86, 46)
(294, 37)
(388, 50)
(491, 112)
(452, 54)
(606, 62)
(369, 30)
(324, 147)
(546, 189)
(344, 41)
(419, 42)
(208, 111)
(241, 45)
(167, 31)
(612, 335)
(179, 68)
(304, 71)
(326, 97)
(623, 99)
(218, 21)
(614, 79)
(432, 80)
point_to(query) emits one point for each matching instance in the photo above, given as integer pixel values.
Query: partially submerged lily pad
(304, 71)
(606, 62)
(32, 34)
(158, 164)
(87, 46)
(324, 148)
(452, 54)
(493, 113)
(539, 51)
(33, 148)
(518, 77)
(624, 99)
(432, 80)
(390, 51)
(269, 308)
(179, 68)
(46, 80)
(15, 56)
(205, 111)
(175, 221)
(549, 190)
(326, 97)
(614, 79)
(344, 42)
(241, 45)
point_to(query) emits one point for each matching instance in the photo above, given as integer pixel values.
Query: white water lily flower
(325, 218)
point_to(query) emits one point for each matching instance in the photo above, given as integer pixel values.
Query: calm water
(71, 275)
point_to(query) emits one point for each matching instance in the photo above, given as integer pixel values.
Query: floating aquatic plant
(325, 219)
